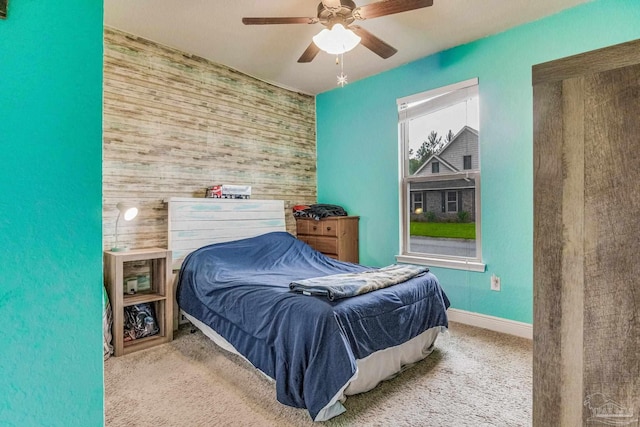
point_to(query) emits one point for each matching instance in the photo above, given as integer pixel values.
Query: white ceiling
(213, 30)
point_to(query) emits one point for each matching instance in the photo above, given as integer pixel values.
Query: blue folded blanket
(346, 285)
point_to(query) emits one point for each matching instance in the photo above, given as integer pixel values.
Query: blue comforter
(308, 344)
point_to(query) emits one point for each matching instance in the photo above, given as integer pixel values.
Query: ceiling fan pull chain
(342, 78)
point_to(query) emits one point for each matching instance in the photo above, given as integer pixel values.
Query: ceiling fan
(345, 12)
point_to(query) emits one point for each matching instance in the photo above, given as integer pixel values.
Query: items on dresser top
(318, 211)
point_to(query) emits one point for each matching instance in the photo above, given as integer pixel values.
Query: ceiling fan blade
(373, 43)
(309, 53)
(267, 21)
(389, 7)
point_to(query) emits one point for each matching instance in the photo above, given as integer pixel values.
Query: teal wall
(358, 148)
(50, 214)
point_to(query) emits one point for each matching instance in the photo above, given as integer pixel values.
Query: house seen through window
(439, 137)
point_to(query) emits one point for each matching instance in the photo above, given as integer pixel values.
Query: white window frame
(415, 106)
(455, 193)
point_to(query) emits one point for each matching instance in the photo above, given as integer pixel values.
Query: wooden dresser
(336, 236)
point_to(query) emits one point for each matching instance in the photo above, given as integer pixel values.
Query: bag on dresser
(319, 211)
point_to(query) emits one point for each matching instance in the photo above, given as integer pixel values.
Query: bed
(317, 350)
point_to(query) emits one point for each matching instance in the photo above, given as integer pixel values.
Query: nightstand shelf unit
(152, 268)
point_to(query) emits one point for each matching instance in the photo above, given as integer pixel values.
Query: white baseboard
(511, 327)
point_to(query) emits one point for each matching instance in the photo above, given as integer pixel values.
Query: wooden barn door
(586, 362)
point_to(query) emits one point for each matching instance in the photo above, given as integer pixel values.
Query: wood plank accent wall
(175, 124)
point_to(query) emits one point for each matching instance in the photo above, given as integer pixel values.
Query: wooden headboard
(197, 222)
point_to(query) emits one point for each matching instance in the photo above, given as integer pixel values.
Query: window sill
(456, 264)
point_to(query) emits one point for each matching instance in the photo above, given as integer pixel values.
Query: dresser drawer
(327, 227)
(326, 245)
(309, 240)
(303, 226)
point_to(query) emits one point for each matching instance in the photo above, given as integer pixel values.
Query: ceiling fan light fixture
(336, 41)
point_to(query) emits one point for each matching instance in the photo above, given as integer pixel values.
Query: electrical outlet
(495, 283)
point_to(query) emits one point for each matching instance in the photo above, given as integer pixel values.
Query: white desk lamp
(127, 212)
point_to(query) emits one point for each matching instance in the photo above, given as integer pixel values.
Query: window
(452, 201)
(441, 213)
(466, 160)
(416, 203)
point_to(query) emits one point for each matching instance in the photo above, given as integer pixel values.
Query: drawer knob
(328, 228)
(315, 227)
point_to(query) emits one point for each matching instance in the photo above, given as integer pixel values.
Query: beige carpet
(474, 378)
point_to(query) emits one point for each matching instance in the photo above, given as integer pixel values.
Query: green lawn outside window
(455, 230)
